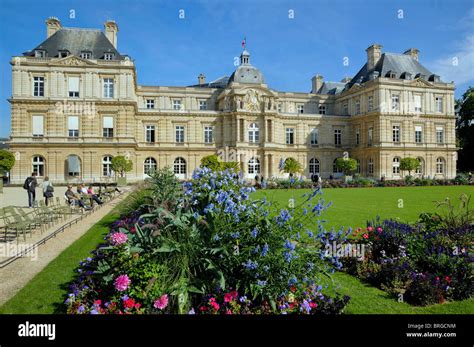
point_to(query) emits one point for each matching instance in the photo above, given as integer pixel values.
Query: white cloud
(457, 66)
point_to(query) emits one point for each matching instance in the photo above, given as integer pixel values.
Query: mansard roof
(331, 88)
(75, 41)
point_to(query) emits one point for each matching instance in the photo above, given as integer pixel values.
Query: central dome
(246, 73)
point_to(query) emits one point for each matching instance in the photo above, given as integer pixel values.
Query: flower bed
(209, 249)
(426, 263)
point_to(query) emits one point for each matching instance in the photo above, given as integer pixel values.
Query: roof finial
(244, 42)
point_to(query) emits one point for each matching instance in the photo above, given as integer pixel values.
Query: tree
(211, 162)
(465, 130)
(347, 165)
(292, 166)
(409, 164)
(231, 165)
(7, 160)
(121, 165)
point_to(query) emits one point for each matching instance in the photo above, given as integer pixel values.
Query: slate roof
(331, 88)
(218, 83)
(76, 41)
(247, 73)
(399, 64)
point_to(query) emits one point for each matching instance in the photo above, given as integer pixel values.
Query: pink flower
(228, 297)
(161, 303)
(122, 282)
(215, 305)
(370, 229)
(365, 236)
(119, 239)
(379, 229)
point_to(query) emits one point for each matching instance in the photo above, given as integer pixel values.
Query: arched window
(440, 164)
(334, 167)
(254, 166)
(150, 166)
(396, 166)
(421, 168)
(180, 167)
(254, 133)
(107, 166)
(73, 166)
(370, 166)
(38, 165)
(314, 166)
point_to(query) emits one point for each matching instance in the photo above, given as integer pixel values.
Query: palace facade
(76, 103)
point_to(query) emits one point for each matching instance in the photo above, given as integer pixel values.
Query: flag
(244, 42)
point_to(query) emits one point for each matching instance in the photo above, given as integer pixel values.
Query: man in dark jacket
(30, 185)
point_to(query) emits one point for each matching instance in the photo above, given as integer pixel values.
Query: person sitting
(73, 198)
(90, 192)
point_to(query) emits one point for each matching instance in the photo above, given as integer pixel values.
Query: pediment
(419, 82)
(71, 60)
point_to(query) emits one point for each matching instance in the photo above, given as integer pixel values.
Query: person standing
(48, 190)
(30, 185)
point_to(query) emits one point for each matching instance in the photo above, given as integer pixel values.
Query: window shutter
(73, 123)
(418, 128)
(73, 84)
(38, 128)
(108, 122)
(417, 100)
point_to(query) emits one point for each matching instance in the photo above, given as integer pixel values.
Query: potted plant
(7, 160)
(348, 166)
(121, 166)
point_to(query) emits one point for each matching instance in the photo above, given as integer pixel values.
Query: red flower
(203, 308)
(448, 279)
(437, 279)
(129, 303)
(138, 305)
(228, 297)
(293, 289)
(313, 305)
(365, 236)
(98, 302)
(234, 294)
(133, 230)
(215, 305)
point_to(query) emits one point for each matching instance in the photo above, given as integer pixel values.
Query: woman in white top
(47, 190)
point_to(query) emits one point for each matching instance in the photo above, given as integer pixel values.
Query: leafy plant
(347, 165)
(7, 161)
(121, 165)
(292, 166)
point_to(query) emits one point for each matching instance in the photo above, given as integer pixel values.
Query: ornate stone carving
(252, 100)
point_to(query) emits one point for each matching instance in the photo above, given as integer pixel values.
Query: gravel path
(17, 274)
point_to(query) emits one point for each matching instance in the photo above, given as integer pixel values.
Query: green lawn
(352, 207)
(46, 292)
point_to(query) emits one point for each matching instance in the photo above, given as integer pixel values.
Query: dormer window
(39, 53)
(433, 78)
(86, 55)
(108, 56)
(406, 76)
(419, 75)
(63, 54)
(374, 75)
(391, 74)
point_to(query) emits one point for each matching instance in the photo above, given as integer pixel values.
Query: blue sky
(171, 51)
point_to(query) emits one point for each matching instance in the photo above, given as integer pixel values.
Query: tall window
(322, 109)
(337, 137)
(176, 104)
(300, 108)
(108, 87)
(439, 104)
(180, 134)
(108, 127)
(370, 136)
(73, 85)
(357, 136)
(314, 137)
(150, 103)
(417, 103)
(254, 133)
(314, 166)
(107, 166)
(179, 167)
(73, 126)
(335, 169)
(150, 133)
(38, 165)
(440, 165)
(396, 166)
(421, 168)
(290, 136)
(396, 133)
(439, 135)
(357, 107)
(254, 166)
(149, 166)
(202, 105)
(208, 134)
(73, 166)
(345, 109)
(395, 102)
(370, 166)
(38, 86)
(370, 103)
(358, 166)
(37, 126)
(279, 107)
(418, 134)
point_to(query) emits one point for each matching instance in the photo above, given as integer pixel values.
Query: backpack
(27, 183)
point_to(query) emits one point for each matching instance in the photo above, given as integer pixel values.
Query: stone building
(76, 103)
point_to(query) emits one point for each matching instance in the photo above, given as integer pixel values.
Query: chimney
(317, 82)
(111, 30)
(346, 79)
(52, 25)
(201, 79)
(413, 52)
(374, 53)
